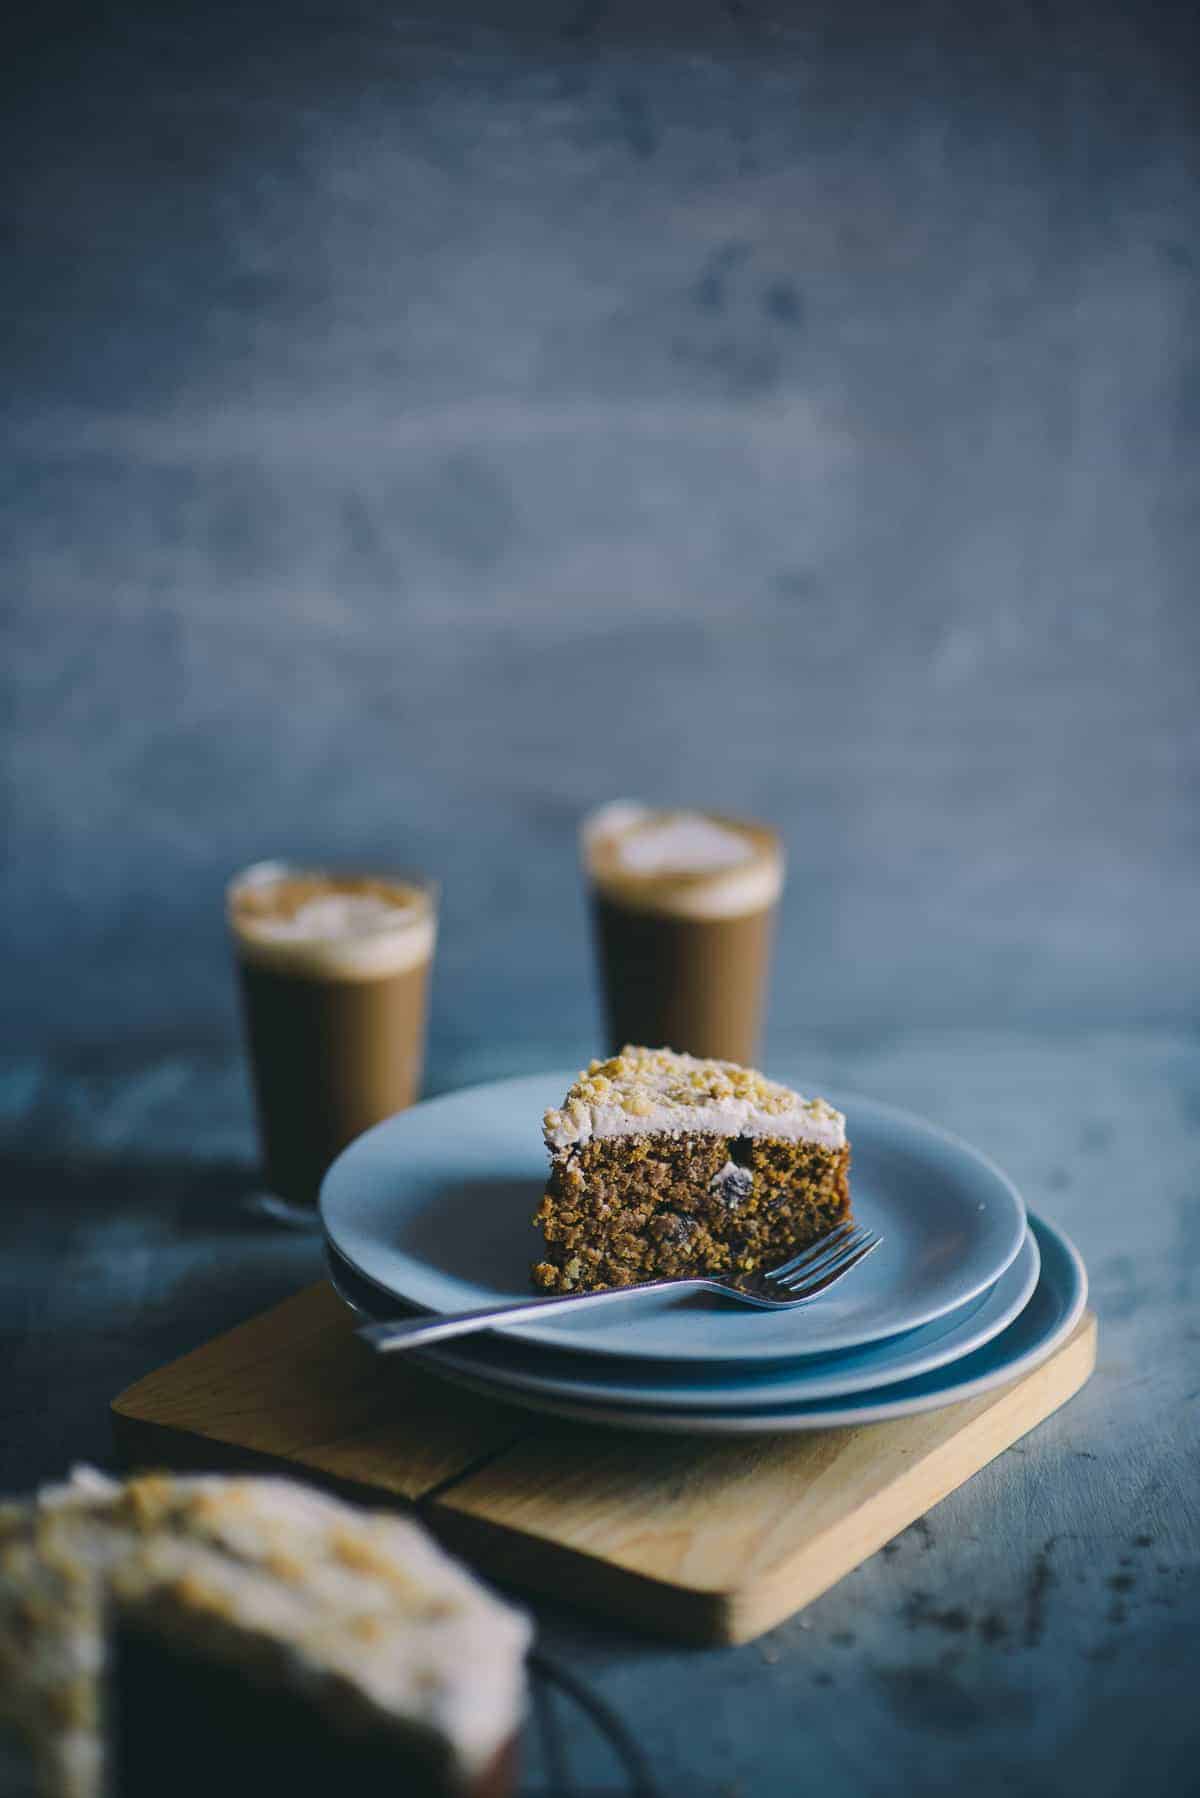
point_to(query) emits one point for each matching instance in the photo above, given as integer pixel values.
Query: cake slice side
(663, 1165)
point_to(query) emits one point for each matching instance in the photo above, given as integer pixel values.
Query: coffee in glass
(334, 973)
(683, 906)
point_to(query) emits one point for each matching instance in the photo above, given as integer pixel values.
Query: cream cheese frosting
(651, 1092)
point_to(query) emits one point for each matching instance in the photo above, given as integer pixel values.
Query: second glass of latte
(683, 908)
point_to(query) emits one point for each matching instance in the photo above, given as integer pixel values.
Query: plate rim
(800, 1419)
(545, 1336)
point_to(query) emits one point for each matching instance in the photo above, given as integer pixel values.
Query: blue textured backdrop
(419, 431)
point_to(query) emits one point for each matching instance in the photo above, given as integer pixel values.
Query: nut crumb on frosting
(658, 1089)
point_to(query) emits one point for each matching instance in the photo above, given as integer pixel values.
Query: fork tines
(834, 1254)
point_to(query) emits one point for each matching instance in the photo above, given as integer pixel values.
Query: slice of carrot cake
(665, 1165)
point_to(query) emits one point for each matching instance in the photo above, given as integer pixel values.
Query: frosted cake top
(651, 1092)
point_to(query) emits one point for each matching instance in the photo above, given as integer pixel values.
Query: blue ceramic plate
(1044, 1325)
(602, 1380)
(434, 1206)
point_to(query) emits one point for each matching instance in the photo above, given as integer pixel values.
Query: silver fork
(796, 1282)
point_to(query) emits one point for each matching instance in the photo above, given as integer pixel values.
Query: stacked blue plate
(431, 1212)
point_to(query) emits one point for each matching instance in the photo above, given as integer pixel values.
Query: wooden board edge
(750, 1611)
(531, 1566)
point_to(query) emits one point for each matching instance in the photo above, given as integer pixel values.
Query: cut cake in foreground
(663, 1165)
(177, 1635)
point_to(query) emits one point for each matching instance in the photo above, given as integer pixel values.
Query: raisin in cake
(662, 1164)
(172, 1635)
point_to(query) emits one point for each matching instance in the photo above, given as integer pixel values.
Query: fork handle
(419, 1332)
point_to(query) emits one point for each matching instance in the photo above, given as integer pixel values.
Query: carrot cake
(665, 1165)
(173, 1633)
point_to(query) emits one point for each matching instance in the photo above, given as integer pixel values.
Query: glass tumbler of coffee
(334, 970)
(683, 908)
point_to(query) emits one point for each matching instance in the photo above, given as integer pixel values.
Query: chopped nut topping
(198, 1595)
(672, 1089)
(368, 1627)
(150, 1498)
(284, 1566)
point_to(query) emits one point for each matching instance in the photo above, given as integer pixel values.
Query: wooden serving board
(702, 1539)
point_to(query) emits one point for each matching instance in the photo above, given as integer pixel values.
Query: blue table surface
(1036, 1632)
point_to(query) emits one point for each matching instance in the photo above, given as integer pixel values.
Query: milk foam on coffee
(685, 863)
(347, 927)
(685, 841)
